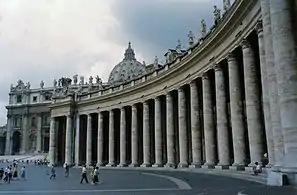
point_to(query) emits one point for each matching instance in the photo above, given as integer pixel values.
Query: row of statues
(75, 81)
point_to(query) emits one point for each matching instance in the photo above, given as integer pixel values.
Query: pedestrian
(84, 174)
(1, 174)
(66, 169)
(53, 172)
(96, 175)
(15, 171)
(23, 173)
(92, 174)
(257, 169)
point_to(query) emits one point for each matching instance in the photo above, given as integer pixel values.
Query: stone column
(77, 140)
(134, 139)
(52, 144)
(146, 136)
(285, 57)
(253, 106)
(208, 121)
(170, 131)
(25, 130)
(195, 126)
(111, 142)
(222, 120)
(100, 140)
(265, 94)
(182, 129)
(39, 133)
(275, 118)
(158, 134)
(123, 148)
(68, 140)
(236, 113)
(8, 135)
(89, 140)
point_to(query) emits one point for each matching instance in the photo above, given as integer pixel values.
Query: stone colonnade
(213, 121)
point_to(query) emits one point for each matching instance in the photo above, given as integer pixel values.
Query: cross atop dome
(129, 53)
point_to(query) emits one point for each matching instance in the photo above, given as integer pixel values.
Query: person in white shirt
(257, 169)
(84, 174)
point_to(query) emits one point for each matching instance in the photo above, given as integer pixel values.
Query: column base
(122, 165)
(208, 166)
(170, 165)
(157, 165)
(145, 165)
(183, 165)
(237, 167)
(195, 165)
(134, 165)
(110, 165)
(100, 164)
(222, 167)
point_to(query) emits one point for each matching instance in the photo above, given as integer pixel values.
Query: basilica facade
(222, 102)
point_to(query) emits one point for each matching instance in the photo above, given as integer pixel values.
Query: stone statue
(11, 87)
(75, 79)
(55, 83)
(41, 84)
(81, 80)
(203, 28)
(191, 38)
(98, 80)
(226, 4)
(216, 14)
(168, 57)
(156, 62)
(179, 46)
(59, 83)
(144, 63)
(28, 85)
(90, 80)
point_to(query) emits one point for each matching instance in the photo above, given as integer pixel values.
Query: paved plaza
(138, 181)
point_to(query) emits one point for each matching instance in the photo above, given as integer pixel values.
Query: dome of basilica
(128, 69)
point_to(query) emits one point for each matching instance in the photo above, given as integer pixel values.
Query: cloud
(47, 39)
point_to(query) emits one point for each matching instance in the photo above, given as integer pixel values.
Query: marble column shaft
(182, 129)
(25, 129)
(100, 140)
(265, 94)
(68, 144)
(111, 140)
(52, 144)
(253, 106)
(222, 119)
(272, 85)
(236, 112)
(123, 134)
(146, 135)
(208, 121)
(285, 57)
(134, 138)
(77, 140)
(170, 131)
(89, 140)
(8, 135)
(158, 133)
(195, 126)
(39, 134)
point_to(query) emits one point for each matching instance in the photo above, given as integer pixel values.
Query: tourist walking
(84, 174)
(23, 173)
(1, 174)
(15, 171)
(66, 166)
(96, 176)
(53, 172)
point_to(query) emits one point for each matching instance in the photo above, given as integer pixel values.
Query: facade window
(17, 122)
(45, 121)
(47, 97)
(33, 122)
(34, 98)
(19, 98)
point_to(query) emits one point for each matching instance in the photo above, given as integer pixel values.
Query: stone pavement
(138, 182)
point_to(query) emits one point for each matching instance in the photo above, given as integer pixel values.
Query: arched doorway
(16, 142)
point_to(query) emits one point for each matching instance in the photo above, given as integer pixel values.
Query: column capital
(217, 67)
(231, 57)
(157, 98)
(133, 107)
(259, 27)
(193, 83)
(245, 44)
(180, 89)
(9, 116)
(205, 76)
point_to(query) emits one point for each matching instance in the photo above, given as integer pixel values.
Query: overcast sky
(47, 39)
